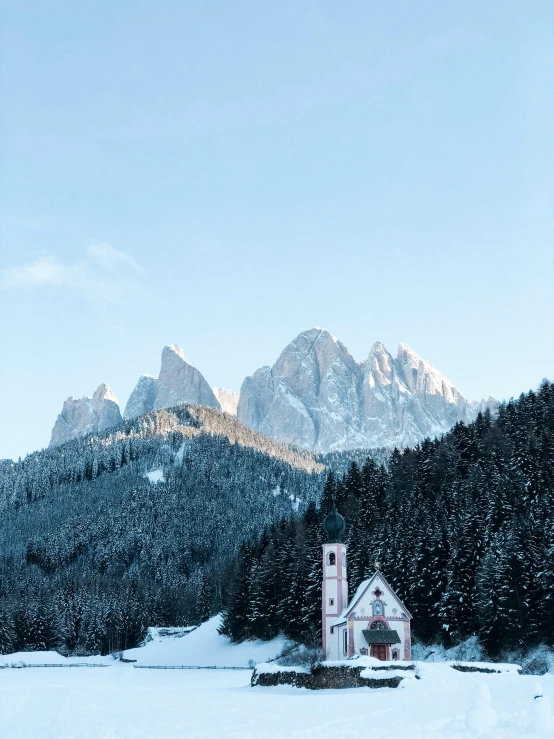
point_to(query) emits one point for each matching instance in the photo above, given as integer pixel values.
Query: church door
(379, 651)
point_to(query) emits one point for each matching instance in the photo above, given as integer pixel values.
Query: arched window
(378, 625)
(395, 654)
(331, 559)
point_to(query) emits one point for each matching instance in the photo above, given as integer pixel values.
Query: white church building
(375, 622)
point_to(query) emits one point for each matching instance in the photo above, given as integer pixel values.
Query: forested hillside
(93, 550)
(463, 527)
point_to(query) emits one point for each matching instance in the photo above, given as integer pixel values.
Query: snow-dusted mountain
(86, 415)
(228, 399)
(143, 398)
(178, 382)
(317, 396)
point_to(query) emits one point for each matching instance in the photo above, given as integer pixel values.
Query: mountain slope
(112, 532)
(317, 396)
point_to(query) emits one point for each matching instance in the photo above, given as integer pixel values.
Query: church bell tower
(334, 596)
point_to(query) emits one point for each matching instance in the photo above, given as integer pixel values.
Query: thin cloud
(104, 275)
(109, 257)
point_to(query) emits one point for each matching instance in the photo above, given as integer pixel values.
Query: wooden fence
(16, 666)
(187, 667)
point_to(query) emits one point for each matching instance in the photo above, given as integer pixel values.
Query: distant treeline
(463, 527)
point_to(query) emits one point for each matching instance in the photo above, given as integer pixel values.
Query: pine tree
(7, 631)
(235, 622)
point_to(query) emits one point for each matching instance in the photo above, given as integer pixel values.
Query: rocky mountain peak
(143, 397)
(424, 378)
(302, 398)
(316, 395)
(175, 349)
(228, 399)
(406, 356)
(103, 393)
(106, 408)
(178, 382)
(378, 369)
(81, 416)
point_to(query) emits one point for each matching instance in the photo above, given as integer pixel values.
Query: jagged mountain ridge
(81, 416)
(317, 396)
(178, 382)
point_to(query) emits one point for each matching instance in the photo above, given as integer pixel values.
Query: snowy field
(122, 702)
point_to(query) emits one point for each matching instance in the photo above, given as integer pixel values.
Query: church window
(332, 560)
(345, 641)
(331, 601)
(395, 653)
(379, 625)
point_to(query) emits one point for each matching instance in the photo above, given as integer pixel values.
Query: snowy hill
(139, 524)
(205, 647)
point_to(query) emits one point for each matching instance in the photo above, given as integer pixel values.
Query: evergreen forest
(463, 528)
(93, 550)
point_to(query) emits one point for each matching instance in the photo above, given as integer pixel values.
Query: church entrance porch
(379, 651)
(380, 639)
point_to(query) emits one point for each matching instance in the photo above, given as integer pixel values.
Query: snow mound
(204, 647)
(481, 716)
(543, 722)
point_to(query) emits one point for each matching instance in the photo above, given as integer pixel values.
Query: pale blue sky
(223, 175)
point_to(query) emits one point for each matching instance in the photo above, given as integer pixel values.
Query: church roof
(381, 636)
(361, 590)
(334, 526)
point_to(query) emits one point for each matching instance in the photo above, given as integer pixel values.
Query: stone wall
(321, 677)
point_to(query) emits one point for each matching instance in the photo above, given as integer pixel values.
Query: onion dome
(334, 526)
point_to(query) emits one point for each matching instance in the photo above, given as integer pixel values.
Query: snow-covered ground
(204, 647)
(122, 702)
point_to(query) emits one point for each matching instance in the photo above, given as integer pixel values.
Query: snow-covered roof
(361, 590)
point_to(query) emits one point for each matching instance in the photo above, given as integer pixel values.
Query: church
(375, 622)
